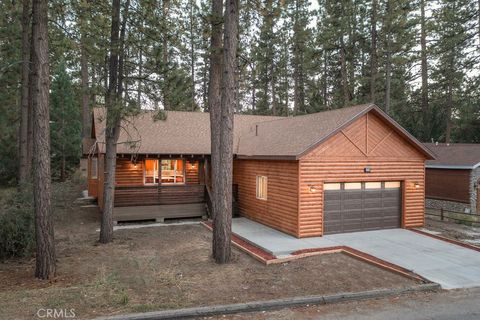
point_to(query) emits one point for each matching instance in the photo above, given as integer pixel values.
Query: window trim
(259, 192)
(175, 175)
(145, 171)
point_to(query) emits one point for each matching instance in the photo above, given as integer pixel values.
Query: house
(344, 170)
(452, 178)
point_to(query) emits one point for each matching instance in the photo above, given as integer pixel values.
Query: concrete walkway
(449, 265)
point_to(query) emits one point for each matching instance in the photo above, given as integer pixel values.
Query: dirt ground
(454, 230)
(159, 268)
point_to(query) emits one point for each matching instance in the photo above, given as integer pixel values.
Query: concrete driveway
(447, 264)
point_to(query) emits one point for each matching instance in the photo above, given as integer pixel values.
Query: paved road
(446, 305)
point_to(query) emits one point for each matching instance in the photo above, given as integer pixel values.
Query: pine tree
(65, 124)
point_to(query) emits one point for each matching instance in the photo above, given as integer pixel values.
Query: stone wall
(448, 205)
(474, 176)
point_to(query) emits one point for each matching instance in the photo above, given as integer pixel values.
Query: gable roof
(454, 155)
(254, 136)
(296, 136)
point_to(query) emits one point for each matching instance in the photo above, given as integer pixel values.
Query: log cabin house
(452, 179)
(344, 170)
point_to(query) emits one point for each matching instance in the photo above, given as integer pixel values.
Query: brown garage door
(362, 206)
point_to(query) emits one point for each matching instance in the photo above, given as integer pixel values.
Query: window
(331, 186)
(173, 171)
(93, 168)
(262, 187)
(151, 171)
(353, 185)
(392, 184)
(373, 185)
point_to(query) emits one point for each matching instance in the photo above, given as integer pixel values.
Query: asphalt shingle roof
(454, 155)
(254, 136)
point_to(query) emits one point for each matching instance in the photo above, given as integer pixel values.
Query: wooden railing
(158, 195)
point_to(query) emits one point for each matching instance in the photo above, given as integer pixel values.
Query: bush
(17, 225)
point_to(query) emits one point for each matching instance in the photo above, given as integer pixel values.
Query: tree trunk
(192, 52)
(214, 98)
(165, 9)
(373, 58)
(449, 104)
(222, 223)
(23, 172)
(388, 59)
(343, 69)
(86, 120)
(424, 67)
(112, 128)
(45, 254)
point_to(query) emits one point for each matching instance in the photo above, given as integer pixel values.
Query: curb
(271, 304)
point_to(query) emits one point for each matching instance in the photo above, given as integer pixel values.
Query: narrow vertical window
(93, 168)
(151, 171)
(262, 187)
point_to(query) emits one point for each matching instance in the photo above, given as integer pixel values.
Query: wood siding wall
(342, 158)
(452, 185)
(280, 210)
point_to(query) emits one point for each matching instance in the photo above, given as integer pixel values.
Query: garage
(362, 206)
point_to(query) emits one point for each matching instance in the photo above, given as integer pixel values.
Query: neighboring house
(344, 170)
(452, 178)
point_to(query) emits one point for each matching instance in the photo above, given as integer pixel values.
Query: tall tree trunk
(343, 71)
(373, 54)
(112, 128)
(23, 172)
(324, 79)
(45, 254)
(298, 100)
(192, 52)
(214, 100)
(449, 104)
(388, 58)
(424, 89)
(86, 120)
(165, 9)
(222, 223)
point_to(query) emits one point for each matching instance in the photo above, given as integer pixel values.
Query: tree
(373, 53)
(424, 65)
(25, 109)
(66, 124)
(222, 222)
(112, 128)
(45, 252)
(214, 104)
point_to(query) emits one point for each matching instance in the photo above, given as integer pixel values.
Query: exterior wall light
(367, 169)
(417, 185)
(312, 189)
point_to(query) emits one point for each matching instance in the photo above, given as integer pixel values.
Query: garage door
(362, 206)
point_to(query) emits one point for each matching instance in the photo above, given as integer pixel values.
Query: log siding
(280, 209)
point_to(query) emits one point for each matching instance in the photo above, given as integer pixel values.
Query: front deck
(159, 202)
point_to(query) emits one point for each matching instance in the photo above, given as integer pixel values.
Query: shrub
(17, 230)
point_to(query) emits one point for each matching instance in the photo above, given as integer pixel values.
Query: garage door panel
(368, 208)
(373, 194)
